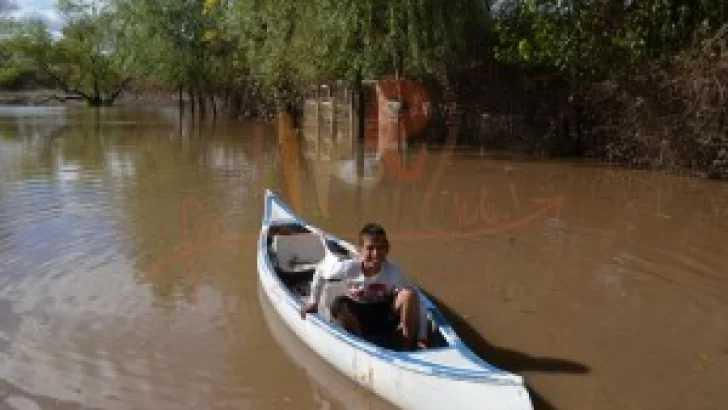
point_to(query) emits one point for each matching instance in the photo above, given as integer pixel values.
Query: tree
(265, 32)
(593, 40)
(88, 60)
(91, 59)
(9, 71)
(376, 37)
(181, 43)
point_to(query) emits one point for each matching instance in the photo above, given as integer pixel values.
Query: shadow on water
(507, 359)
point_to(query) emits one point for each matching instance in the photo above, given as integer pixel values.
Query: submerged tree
(214, 48)
(188, 45)
(88, 61)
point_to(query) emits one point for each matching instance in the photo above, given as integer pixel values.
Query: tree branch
(119, 89)
(63, 84)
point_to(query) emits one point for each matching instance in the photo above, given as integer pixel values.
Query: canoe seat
(299, 252)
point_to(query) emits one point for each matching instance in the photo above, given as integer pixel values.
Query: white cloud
(36, 5)
(43, 9)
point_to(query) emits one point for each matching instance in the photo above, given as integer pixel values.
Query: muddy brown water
(128, 279)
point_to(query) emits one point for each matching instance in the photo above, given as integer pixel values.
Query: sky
(39, 8)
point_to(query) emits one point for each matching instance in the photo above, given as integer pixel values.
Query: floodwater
(128, 279)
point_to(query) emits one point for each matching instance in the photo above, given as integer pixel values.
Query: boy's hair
(373, 229)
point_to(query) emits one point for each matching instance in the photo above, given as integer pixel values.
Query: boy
(379, 299)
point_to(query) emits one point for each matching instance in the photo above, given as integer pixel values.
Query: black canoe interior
(299, 283)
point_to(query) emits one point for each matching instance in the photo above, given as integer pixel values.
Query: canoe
(446, 375)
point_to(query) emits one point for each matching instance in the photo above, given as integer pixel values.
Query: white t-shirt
(365, 289)
(360, 288)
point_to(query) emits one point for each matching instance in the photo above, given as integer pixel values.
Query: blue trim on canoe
(380, 353)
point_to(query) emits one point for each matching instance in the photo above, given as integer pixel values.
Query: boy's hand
(306, 308)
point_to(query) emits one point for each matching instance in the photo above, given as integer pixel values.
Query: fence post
(334, 117)
(318, 121)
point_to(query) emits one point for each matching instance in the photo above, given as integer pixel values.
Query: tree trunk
(360, 112)
(213, 105)
(191, 97)
(201, 103)
(180, 100)
(109, 101)
(95, 100)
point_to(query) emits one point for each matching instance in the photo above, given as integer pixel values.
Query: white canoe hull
(440, 378)
(332, 389)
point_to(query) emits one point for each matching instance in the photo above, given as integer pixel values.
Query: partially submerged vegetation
(646, 81)
(639, 82)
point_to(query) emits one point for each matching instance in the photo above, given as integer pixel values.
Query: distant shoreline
(35, 97)
(58, 97)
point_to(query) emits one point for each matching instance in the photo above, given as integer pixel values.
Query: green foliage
(602, 38)
(216, 46)
(198, 46)
(20, 45)
(289, 44)
(414, 37)
(167, 38)
(224, 48)
(11, 71)
(87, 60)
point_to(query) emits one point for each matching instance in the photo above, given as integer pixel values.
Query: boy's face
(373, 251)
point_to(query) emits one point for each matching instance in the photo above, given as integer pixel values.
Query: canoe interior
(297, 279)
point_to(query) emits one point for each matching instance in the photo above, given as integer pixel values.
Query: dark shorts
(375, 318)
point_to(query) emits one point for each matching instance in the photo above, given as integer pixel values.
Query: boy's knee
(343, 314)
(338, 307)
(407, 294)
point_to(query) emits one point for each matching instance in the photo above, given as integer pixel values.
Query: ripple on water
(88, 338)
(694, 269)
(72, 313)
(21, 403)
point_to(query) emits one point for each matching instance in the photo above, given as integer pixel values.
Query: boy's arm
(309, 305)
(329, 271)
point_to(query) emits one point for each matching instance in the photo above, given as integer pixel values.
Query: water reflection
(83, 215)
(31, 123)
